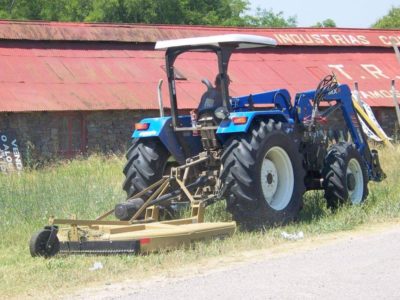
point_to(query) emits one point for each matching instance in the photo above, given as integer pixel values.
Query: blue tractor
(261, 152)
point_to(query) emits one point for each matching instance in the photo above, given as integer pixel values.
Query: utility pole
(396, 103)
(396, 49)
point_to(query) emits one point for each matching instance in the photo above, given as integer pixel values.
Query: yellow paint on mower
(97, 236)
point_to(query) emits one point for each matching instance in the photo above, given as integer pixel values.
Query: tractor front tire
(345, 177)
(147, 160)
(263, 177)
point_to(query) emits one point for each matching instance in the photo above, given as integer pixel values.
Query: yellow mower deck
(98, 236)
(143, 233)
(141, 238)
(102, 236)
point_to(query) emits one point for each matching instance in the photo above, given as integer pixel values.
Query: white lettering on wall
(363, 39)
(339, 68)
(17, 156)
(374, 71)
(378, 94)
(10, 156)
(318, 39)
(387, 39)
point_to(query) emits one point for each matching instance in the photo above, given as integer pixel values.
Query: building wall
(43, 136)
(386, 117)
(110, 131)
(388, 120)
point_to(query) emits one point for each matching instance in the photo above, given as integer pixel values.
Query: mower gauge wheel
(38, 245)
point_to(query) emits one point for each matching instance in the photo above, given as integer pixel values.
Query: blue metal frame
(279, 98)
(228, 127)
(343, 95)
(162, 128)
(242, 106)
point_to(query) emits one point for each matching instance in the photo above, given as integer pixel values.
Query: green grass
(90, 186)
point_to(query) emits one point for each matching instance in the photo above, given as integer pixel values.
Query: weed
(87, 187)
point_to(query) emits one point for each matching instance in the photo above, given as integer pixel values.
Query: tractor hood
(239, 41)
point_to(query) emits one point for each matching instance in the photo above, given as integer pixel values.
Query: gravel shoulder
(363, 264)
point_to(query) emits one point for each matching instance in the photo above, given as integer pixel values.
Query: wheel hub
(354, 180)
(271, 177)
(277, 180)
(351, 181)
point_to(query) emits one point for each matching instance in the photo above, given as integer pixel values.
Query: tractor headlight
(221, 113)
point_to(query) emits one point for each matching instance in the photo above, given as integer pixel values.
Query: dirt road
(364, 266)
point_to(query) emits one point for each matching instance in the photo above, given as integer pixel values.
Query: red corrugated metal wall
(48, 66)
(37, 76)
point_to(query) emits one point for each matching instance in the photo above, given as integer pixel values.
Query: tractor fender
(162, 128)
(227, 126)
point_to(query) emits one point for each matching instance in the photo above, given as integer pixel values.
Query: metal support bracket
(198, 211)
(152, 213)
(53, 235)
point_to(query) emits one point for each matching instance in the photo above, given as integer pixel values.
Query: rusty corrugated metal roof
(140, 33)
(70, 75)
(37, 77)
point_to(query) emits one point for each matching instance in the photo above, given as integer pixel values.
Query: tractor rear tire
(147, 163)
(263, 177)
(345, 176)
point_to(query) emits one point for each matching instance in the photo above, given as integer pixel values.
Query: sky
(346, 13)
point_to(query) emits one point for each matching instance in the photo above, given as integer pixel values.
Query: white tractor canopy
(222, 46)
(241, 41)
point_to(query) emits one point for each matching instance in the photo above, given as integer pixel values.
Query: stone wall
(43, 136)
(388, 120)
(386, 117)
(110, 131)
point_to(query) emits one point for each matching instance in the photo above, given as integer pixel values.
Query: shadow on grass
(314, 207)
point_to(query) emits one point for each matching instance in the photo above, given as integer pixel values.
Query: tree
(191, 12)
(268, 18)
(54, 10)
(391, 20)
(21, 9)
(325, 23)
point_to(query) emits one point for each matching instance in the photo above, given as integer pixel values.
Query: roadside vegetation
(87, 187)
(188, 12)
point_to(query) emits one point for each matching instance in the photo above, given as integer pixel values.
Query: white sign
(10, 156)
